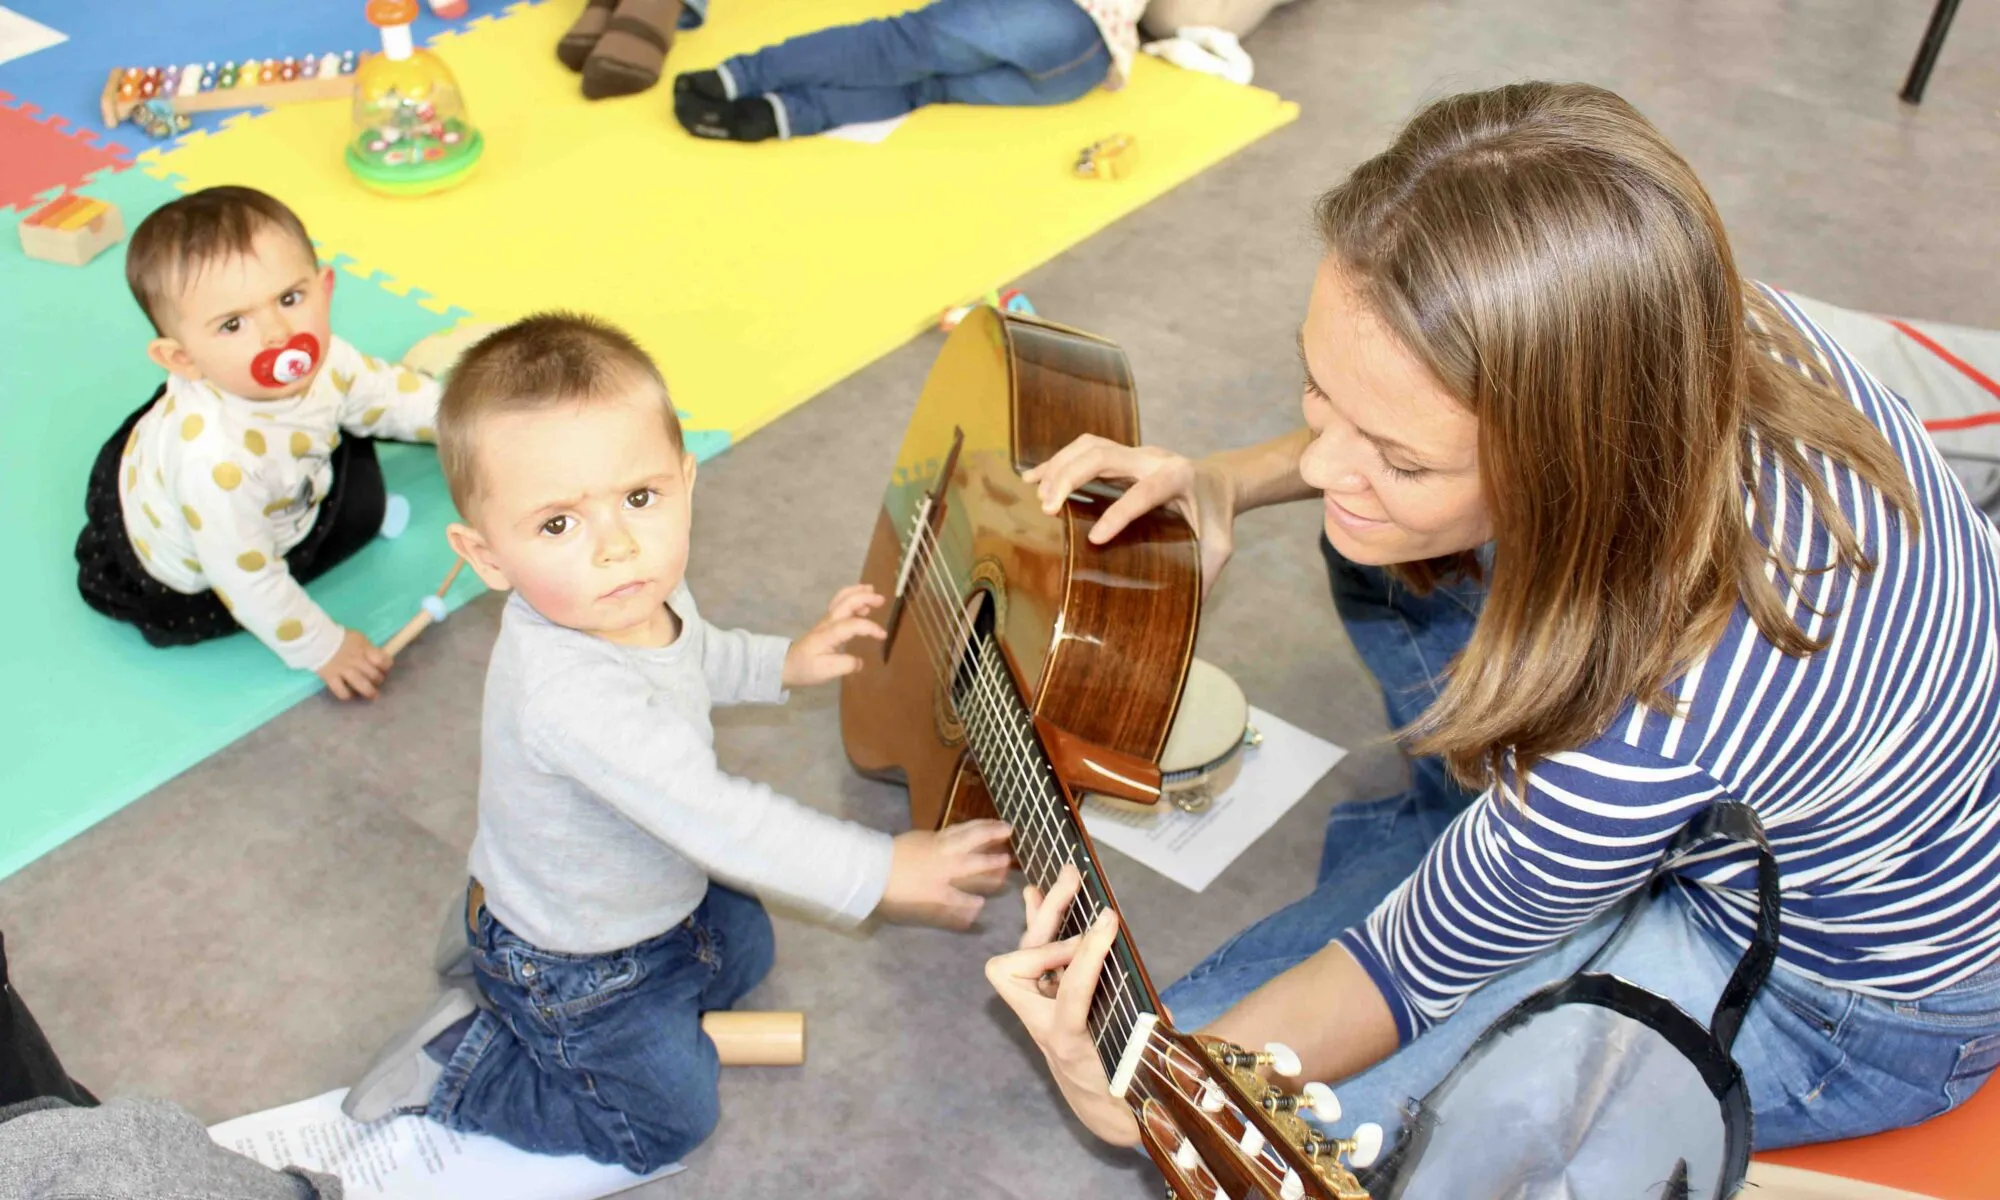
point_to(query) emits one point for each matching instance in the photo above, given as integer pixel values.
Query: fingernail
(1103, 918)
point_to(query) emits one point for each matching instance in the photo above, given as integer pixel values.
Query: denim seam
(635, 1153)
(450, 1089)
(594, 1000)
(1066, 68)
(1818, 1089)
(1834, 1035)
(1960, 1084)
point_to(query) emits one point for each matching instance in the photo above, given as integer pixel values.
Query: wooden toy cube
(71, 229)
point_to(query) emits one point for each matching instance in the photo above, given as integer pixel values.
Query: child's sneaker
(453, 956)
(404, 1075)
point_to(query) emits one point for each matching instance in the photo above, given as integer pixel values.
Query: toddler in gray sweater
(616, 868)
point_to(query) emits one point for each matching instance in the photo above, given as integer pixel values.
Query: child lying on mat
(598, 924)
(232, 487)
(1012, 52)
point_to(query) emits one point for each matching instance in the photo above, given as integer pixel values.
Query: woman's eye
(1405, 472)
(557, 526)
(232, 325)
(641, 498)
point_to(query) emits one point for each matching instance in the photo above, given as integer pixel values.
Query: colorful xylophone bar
(204, 87)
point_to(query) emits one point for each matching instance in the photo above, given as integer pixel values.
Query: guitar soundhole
(983, 612)
(978, 629)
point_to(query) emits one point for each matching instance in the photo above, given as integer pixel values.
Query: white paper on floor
(21, 36)
(1193, 848)
(410, 1158)
(873, 133)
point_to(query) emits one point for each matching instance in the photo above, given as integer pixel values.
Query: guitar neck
(1048, 834)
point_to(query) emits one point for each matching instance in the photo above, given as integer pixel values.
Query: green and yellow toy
(411, 132)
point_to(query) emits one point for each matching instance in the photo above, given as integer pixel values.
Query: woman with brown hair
(1621, 535)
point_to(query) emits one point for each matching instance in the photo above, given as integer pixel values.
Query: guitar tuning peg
(1365, 1146)
(1324, 1104)
(1186, 1157)
(1281, 1059)
(1212, 1099)
(1292, 1187)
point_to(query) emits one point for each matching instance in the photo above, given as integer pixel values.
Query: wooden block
(757, 1039)
(71, 229)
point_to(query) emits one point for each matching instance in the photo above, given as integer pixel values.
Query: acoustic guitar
(1025, 667)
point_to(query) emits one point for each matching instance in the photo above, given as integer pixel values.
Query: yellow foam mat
(756, 274)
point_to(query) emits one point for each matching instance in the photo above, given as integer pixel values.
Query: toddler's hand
(357, 668)
(942, 878)
(816, 657)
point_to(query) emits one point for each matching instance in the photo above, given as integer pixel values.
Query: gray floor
(236, 946)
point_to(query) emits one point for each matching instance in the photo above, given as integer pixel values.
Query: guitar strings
(951, 629)
(948, 631)
(980, 717)
(988, 680)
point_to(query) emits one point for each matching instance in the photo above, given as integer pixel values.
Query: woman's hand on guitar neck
(1057, 1021)
(943, 878)
(1196, 489)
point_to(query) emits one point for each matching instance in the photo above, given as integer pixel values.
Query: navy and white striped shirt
(1872, 764)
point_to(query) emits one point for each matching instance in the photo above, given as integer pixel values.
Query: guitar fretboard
(1000, 733)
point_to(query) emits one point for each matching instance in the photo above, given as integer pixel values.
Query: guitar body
(1099, 637)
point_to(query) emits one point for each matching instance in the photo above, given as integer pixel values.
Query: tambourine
(1204, 749)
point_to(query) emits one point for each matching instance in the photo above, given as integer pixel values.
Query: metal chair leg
(1927, 53)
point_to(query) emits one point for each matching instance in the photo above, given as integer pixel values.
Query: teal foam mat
(91, 717)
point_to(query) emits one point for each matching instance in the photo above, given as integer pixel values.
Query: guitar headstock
(1217, 1131)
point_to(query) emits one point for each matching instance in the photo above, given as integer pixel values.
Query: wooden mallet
(432, 611)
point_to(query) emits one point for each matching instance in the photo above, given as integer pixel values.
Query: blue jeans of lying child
(1821, 1062)
(603, 1054)
(1003, 52)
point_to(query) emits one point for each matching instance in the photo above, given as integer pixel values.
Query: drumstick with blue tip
(432, 611)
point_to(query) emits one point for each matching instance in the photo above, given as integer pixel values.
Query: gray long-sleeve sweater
(602, 810)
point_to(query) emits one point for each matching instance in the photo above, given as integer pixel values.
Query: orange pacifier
(281, 366)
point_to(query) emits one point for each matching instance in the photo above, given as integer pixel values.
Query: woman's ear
(467, 543)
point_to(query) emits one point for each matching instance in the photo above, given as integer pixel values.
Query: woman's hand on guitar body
(1054, 1017)
(1198, 489)
(943, 878)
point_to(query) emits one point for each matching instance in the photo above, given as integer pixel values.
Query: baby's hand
(357, 668)
(816, 657)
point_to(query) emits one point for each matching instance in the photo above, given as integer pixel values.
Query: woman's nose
(1328, 464)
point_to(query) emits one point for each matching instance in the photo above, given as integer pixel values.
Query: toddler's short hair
(177, 240)
(538, 362)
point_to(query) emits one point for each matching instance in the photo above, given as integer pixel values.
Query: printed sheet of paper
(21, 36)
(1193, 848)
(873, 133)
(410, 1158)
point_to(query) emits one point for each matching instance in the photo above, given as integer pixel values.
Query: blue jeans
(603, 1054)
(1820, 1062)
(1011, 52)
